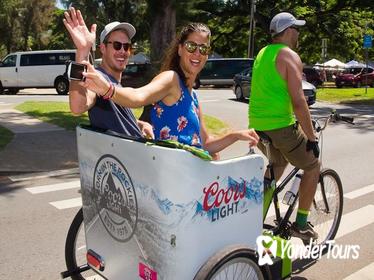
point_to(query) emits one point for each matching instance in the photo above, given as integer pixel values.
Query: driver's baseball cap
(116, 25)
(282, 21)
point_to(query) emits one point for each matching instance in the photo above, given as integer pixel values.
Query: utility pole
(323, 56)
(251, 29)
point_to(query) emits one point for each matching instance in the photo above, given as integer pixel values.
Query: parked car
(312, 76)
(35, 69)
(310, 92)
(221, 71)
(138, 75)
(242, 87)
(242, 84)
(355, 77)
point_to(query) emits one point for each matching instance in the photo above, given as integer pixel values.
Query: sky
(58, 4)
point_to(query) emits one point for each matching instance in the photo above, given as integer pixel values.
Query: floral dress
(180, 121)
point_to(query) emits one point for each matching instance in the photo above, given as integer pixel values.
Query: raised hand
(82, 37)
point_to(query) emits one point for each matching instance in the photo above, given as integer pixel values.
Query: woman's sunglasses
(118, 45)
(192, 46)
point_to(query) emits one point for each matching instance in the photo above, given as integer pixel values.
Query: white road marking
(209, 100)
(41, 175)
(54, 187)
(365, 116)
(350, 222)
(366, 273)
(359, 192)
(355, 220)
(68, 203)
(95, 277)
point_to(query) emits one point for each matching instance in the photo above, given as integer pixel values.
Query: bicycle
(236, 256)
(327, 206)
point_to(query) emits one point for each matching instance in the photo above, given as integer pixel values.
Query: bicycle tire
(75, 250)
(326, 221)
(227, 263)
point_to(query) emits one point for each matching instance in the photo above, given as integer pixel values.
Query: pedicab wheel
(75, 249)
(234, 263)
(327, 207)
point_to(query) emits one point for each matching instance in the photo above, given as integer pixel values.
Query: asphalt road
(33, 227)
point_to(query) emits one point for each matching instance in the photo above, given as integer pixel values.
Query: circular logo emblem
(115, 198)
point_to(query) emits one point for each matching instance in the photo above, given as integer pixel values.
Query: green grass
(215, 126)
(346, 95)
(58, 113)
(6, 137)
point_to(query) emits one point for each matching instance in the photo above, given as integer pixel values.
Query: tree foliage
(24, 24)
(36, 24)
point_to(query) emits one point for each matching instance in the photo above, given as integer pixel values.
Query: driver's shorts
(288, 144)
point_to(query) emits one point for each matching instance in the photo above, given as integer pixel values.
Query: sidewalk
(36, 146)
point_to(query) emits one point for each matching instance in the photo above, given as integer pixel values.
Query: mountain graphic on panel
(119, 207)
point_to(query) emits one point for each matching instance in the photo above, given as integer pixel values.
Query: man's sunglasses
(192, 46)
(118, 45)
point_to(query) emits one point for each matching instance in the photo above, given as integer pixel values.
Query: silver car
(242, 87)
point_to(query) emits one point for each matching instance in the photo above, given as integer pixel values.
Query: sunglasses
(192, 46)
(118, 45)
(294, 27)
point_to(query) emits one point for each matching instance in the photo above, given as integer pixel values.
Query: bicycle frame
(281, 222)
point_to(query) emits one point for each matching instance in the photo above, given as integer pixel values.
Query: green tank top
(270, 104)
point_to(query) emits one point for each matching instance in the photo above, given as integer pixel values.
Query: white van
(35, 69)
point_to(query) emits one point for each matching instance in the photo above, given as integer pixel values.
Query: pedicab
(160, 210)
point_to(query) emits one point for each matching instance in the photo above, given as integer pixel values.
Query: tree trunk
(162, 27)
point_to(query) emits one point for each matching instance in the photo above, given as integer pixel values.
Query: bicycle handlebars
(334, 116)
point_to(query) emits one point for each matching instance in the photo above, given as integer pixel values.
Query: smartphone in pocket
(75, 71)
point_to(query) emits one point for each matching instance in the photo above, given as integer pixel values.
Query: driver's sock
(302, 217)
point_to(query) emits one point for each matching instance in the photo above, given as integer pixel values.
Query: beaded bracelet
(109, 93)
(113, 93)
(110, 86)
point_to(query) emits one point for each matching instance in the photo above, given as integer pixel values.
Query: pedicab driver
(276, 99)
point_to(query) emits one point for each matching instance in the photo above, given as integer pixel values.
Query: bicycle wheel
(327, 207)
(232, 263)
(75, 248)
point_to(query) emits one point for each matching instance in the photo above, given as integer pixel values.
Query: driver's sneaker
(305, 233)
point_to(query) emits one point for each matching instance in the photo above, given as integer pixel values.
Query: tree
(162, 26)
(9, 28)
(58, 38)
(34, 18)
(24, 24)
(333, 19)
